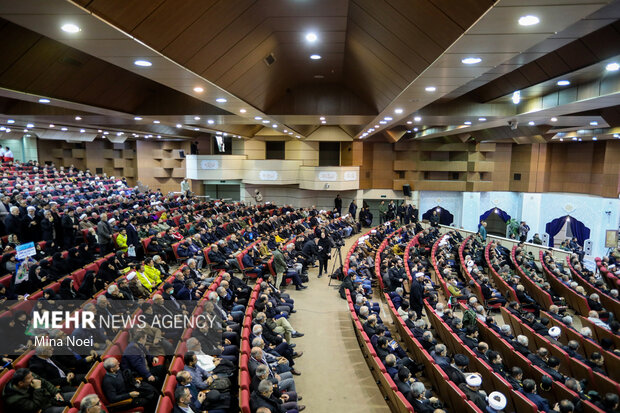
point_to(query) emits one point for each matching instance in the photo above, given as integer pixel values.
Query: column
(470, 216)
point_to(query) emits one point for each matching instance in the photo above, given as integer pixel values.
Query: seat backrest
(165, 405)
(96, 379)
(4, 379)
(170, 384)
(244, 401)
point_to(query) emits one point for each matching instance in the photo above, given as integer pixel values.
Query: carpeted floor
(335, 376)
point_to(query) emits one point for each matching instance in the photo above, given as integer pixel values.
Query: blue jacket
(135, 359)
(540, 402)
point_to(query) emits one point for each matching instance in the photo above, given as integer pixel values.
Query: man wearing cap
(553, 335)
(497, 402)
(471, 388)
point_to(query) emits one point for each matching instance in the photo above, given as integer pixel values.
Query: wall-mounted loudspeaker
(545, 239)
(587, 246)
(407, 190)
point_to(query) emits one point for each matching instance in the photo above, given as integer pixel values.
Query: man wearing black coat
(69, 227)
(12, 223)
(416, 294)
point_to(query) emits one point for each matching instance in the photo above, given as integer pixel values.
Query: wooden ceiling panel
(124, 14)
(604, 42)
(463, 12)
(162, 26)
(15, 41)
(203, 30)
(576, 55)
(553, 63)
(533, 73)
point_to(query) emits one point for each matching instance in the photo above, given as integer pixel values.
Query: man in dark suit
(115, 389)
(43, 366)
(69, 227)
(134, 239)
(529, 391)
(12, 223)
(136, 358)
(455, 373)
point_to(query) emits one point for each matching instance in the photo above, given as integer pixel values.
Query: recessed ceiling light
(257, 117)
(274, 126)
(388, 118)
(179, 125)
(44, 100)
(563, 82)
(467, 122)
(516, 97)
(25, 130)
(30, 125)
(319, 76)
(531, 123)
(417, 119)
(528, 20)
(210, 121)
(198, 89)
(616, 135)
(554, 119)
(242, 111)
(612, 67)
(575, 138)
(99, 130)
(158, 136)
(8, 130)
(430, 88)
(196, 117)
(265, 121)
(196, 129)
(78, 118)
(409, 122)
(285, 130)
(323, 122)
(10, 121)
(371, 130)
(315, 56)
(471, 60)
(594, 123)
(119, 133)
(64, 129)
(376, 126)
(482, 119)
(143, 63)
(382, 122)
(70, 28)
(106, 133)
(561, 139)
(594, 138)
(297, 136)
(398, 111)
(82, 130)
(290, 133)
(218, 133)
(415, 129)
(221, 100)
(322, 118)
(156, 121)
(580, 139)
(52, 125)
(137, 118)
(311, 37)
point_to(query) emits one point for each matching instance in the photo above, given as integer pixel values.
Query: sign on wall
(350, 175)
(328, 176)
(268, 175)
(209, 164)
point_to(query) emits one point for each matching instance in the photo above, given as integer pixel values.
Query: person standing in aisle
(382, 212)
(338, 204)
(353, 209)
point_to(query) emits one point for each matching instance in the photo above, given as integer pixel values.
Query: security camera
(513, 124)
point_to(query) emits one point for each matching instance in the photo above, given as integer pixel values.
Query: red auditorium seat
(244, 401)
(165, 405)
(4, 379)
(176, 365)
(170, 384)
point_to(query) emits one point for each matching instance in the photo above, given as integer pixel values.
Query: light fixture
(44, 100)
(531, 123)
(482, 119)
(554, 119)
(158, 136)
(417, 119)
(179, 125)
(106, 133)
(143, 63)
(388, 118)
(257, 117)
(156, 121)
(198, 89)
(285, 130)
(382, 122)
(467, 122)
(70, 28)
(516, 97)
(471, 60)
(415, 129)
(561, 139)
(8, 130)
(323, 122)
(196, 129)
(430, 88)
(64, 129)
(290, 133)
(52, 125)
(119, 133)
(10, 121)
(30, 125)
(594, 138)
(297, 136)
(376, 126)
(528, 20)
(593, 123)
(210, 121)
(580, 139)
(82, 130)
(25, 130)
(563, 82)
(137, 118)
(196, 117)
(265, 121)
(409, 122)
(612, 67)
(99, 131)
(242, 111)
(311, 37)
(221, 100)
(398, 111)
(315, 57)
(78, 118)
(322, 118)
(274, 126)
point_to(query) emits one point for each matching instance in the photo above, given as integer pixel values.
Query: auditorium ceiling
(378, 70)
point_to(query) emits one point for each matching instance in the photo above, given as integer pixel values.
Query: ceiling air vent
(270, 59)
